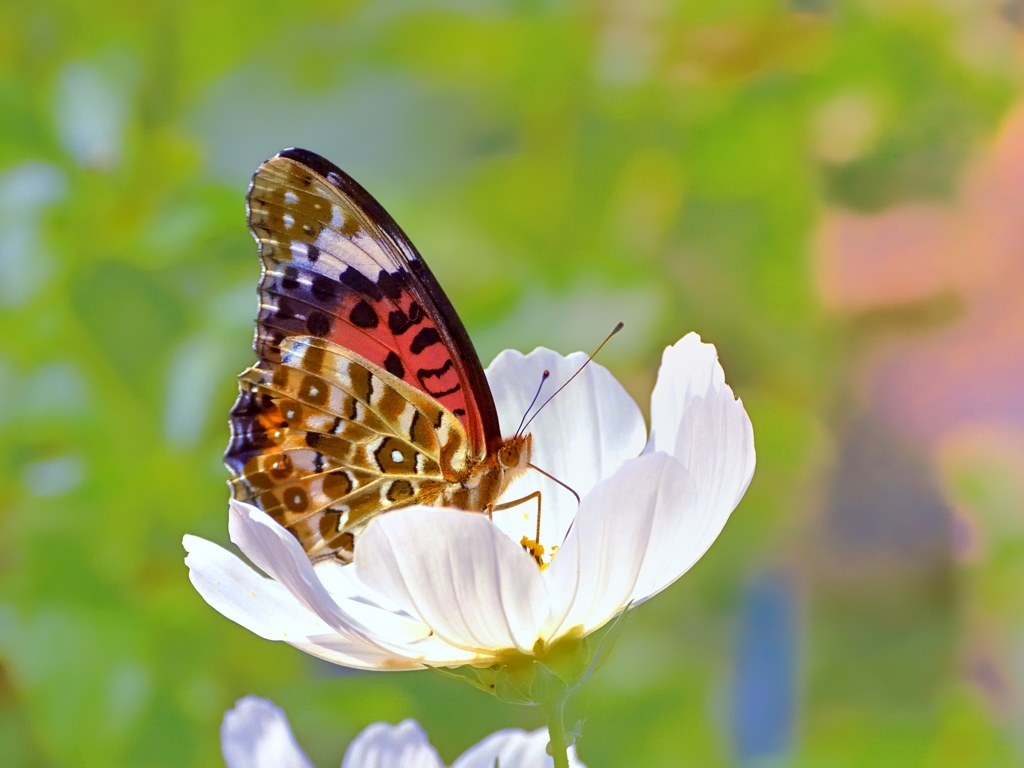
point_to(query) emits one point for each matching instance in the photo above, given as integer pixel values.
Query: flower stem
(556, 731)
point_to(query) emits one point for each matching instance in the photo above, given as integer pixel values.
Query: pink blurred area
(968, 373)
(949, 386)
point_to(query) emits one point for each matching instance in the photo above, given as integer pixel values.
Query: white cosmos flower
(256, 734)
(442, 587)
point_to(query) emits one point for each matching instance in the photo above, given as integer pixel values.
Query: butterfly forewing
(337, 266)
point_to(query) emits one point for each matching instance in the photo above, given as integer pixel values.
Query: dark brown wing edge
(458, 338)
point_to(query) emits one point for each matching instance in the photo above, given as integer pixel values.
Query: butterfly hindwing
(336, 440)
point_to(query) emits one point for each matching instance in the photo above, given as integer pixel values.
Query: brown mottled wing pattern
(345, 440)
(367, 393)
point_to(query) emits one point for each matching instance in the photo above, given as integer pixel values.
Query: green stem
(556, 732)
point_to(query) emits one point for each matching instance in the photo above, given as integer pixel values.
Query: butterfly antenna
(615, 330)
(543, 378)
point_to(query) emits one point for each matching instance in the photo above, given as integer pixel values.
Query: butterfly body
(368, 395)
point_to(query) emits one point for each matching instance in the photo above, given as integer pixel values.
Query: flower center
(536, 550)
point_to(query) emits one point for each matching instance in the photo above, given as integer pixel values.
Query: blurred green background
(831, 192)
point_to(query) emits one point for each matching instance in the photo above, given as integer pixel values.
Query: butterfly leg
(533, 546)
(515, 503)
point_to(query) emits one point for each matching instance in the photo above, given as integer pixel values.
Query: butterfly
(368, 394)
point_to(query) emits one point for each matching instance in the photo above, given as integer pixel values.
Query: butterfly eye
(509, 455)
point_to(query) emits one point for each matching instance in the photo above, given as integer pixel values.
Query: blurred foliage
(562, 166)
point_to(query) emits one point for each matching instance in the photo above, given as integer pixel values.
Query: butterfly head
(514, 454)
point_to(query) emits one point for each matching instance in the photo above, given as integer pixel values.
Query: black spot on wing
(425, 338)
(400, 490)
(393, 365)
(399, 322)
(389, 285)
(413, 424)
(318, 323)
(427, 373)
(324, 289)
(451, 391)
(290, 279)
(363, 316)
(360, 283)
(424, 374)
(286, 310)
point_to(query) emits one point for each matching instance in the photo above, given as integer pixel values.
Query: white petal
(268, 609)
(335, 649)
(388, 621)
(680, 534)
(406, 634)
(689, 368)
(595, 573)
(513, 748)
(342, 582)
(259, 604)
(278, 554)
(383, 745)
(256, 734)
(459, 573)
(429, 652)
(580, 437)
(696, 418)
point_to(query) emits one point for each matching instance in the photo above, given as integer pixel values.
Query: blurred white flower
(256, 734)
(445, 588)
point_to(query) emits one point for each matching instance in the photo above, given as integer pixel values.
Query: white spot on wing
(291, 197)
(317, 423)
(397, 457)
(356, 255)
(289, 222)
(360, 250)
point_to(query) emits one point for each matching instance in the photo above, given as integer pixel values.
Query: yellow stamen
(535, 550)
